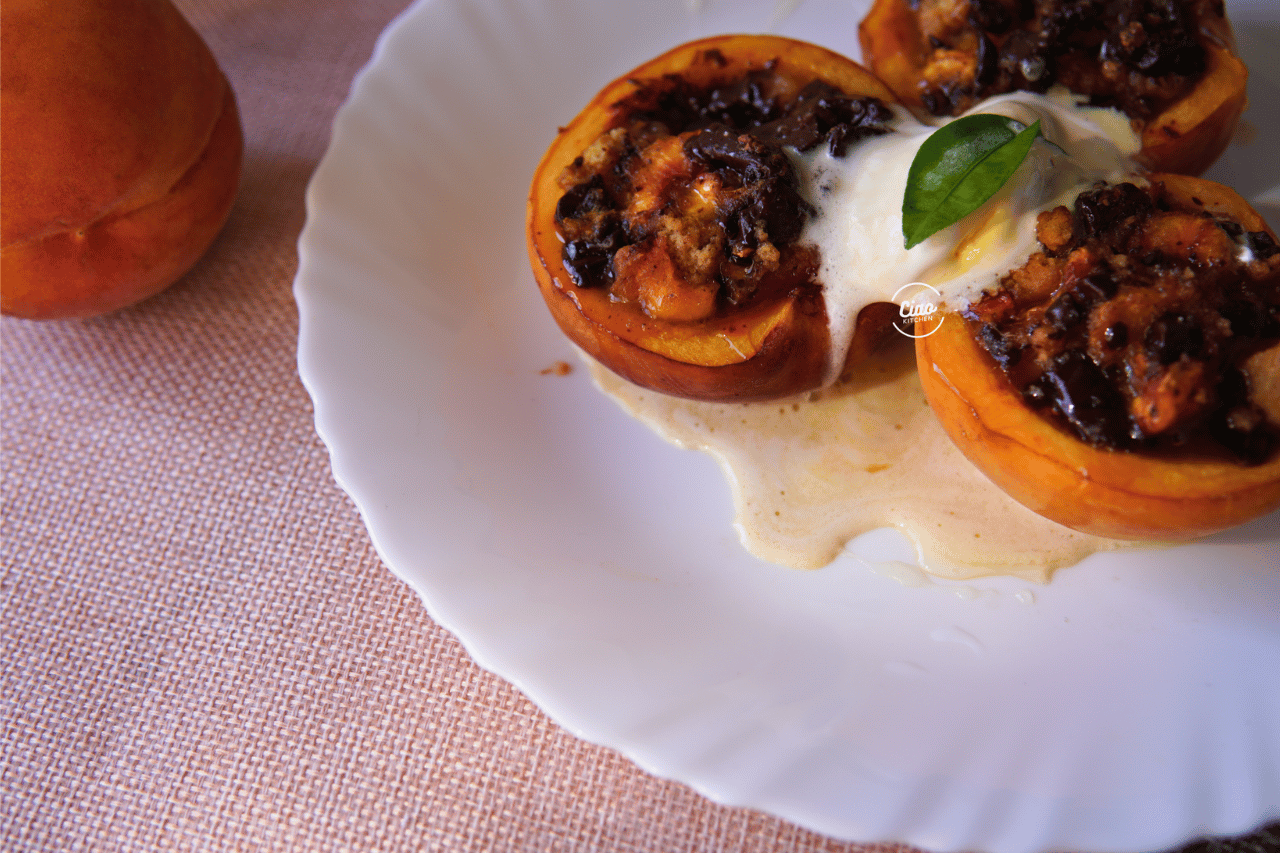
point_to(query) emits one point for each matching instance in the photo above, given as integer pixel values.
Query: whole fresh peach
(120, 152)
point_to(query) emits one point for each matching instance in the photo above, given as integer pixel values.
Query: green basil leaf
(959, 167)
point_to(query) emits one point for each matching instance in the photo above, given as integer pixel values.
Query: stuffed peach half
(1168, 65)
(1125, 381)
(663, 223)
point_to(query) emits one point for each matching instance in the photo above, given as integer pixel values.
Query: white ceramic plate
(1132, 704)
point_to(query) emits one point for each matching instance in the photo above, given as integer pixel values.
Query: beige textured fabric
(201, 650)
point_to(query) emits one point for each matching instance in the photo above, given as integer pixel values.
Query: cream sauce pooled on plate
(811, 473)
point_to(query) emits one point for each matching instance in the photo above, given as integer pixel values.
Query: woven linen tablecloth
(201, 649)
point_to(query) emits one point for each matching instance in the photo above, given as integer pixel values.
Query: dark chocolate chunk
(1109, 212)
(1087, 400)
(1262, 244)
(1245, 432)
(990, 15)
(998, 346)
(822, 112)
(1174, 335)
(588, 265)
(1116, 335)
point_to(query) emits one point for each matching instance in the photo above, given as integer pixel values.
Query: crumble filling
(1136, 55)
(1132, 324)
(690, 204)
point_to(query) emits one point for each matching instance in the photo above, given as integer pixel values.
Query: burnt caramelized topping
(1132, 324)
(1136, 55)
(690, 201)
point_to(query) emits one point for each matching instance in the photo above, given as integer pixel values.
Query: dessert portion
(664, 221)
(1167, 65)
(735, 222)
(1123, 381)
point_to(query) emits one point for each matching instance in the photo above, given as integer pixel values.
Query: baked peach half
(663, 222)
(1169, 65)
(1125, 381)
